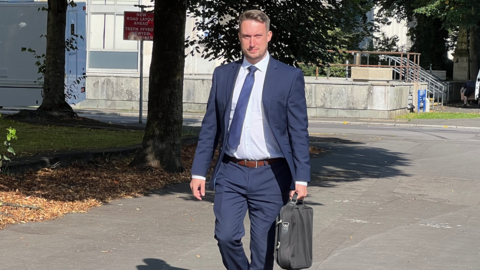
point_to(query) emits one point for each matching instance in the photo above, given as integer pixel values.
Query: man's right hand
(198, 188)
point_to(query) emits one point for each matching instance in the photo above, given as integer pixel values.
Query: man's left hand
(301, 190)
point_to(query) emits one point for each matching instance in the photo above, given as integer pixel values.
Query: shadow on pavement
(155, 264)
(349, 161)
(340, 160)
(183, 191)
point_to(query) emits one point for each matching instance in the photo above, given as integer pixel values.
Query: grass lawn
(439, 115)
(39, 138)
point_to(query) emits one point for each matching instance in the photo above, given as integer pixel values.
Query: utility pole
(142, 9)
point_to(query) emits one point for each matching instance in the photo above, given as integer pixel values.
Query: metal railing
(404, 70)
(412, 66)
(435, 87)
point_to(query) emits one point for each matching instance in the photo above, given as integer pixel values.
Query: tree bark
(162, 139)
(54, 77)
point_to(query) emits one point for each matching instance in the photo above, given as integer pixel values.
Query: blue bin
(422, 99)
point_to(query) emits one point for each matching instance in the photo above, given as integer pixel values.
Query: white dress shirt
(257, 141)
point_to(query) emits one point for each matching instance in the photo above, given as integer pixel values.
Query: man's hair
(255, 15)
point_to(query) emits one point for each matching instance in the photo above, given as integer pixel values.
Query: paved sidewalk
(195, 118)
(408, 201)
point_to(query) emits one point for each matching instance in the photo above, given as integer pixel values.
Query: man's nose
(252, 42)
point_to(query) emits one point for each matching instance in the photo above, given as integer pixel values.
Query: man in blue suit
(257, 111)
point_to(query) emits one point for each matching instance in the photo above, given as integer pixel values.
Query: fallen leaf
(81, 187)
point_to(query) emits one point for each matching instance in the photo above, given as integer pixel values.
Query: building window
(107, 50)
(114, 2)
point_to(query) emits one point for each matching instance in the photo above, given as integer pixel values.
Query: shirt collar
(262, 65)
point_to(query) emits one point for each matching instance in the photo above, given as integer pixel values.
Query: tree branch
(20, 205)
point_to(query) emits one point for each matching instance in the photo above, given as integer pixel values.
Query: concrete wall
(340, 98)
(325, 98)
(114, 92)
(441, 74)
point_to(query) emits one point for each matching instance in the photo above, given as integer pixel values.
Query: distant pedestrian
(257, 110)
(468, 89)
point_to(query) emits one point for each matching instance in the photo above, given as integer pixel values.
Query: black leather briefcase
(294, 233)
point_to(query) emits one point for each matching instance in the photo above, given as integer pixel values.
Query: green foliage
(429, 35)
(43, 138)
(335, 71)
(431, 40)
(40, 63)
(5, 156)
(385, 44)
(453, 13)
(380, 43)
(323, 71)
(439, 115)
(303, 30)
(308, 70)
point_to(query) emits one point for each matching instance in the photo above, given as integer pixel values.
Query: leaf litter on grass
(83, 186)
(80, 187)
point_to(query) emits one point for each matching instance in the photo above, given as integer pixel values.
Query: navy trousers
(262, 191)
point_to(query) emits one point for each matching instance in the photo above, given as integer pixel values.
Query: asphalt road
(384, 198)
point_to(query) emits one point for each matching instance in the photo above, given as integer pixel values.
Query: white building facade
(113, 64)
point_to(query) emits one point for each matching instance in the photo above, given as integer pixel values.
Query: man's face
(254, 40)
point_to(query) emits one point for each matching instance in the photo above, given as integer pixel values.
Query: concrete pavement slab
(384, 198)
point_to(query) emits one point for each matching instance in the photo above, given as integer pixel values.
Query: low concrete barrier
(334, 97)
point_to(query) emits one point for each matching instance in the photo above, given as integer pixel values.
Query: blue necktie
(241, 108)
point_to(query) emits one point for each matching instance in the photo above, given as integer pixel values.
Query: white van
(21, 26)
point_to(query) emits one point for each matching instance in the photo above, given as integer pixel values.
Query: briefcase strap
(294, 198)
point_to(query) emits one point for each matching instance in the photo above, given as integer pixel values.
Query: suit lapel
(271, 79)
(231, 79)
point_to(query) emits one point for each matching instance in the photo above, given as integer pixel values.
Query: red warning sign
(138, 25)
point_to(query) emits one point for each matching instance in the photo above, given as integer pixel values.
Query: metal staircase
(436, 88)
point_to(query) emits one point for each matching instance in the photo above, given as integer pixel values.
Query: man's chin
(254, 57)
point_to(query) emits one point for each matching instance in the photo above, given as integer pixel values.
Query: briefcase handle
(294, 199)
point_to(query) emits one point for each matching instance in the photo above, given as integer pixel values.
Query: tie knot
(252, 69)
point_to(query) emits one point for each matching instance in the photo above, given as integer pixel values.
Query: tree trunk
(429, 41)
(54, 80)
(162, 139)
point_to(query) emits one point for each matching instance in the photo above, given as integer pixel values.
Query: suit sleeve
(209, 134)
(298, 127)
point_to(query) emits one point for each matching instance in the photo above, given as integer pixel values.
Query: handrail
(435, 86)
(373, 52)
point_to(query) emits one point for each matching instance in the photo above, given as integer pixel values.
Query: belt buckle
(246, 163)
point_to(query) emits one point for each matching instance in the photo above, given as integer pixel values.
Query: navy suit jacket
(285, 110)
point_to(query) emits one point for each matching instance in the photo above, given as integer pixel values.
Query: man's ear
(269, 36)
